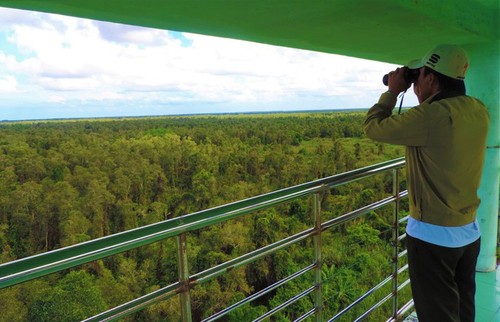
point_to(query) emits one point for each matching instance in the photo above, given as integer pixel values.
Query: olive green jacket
(445, 146)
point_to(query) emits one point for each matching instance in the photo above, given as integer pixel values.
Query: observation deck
(391, 31)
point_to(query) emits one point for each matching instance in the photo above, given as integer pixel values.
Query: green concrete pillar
(483, 82)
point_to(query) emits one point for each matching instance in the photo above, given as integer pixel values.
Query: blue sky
(53, 66)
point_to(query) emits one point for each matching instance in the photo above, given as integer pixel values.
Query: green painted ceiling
(385, 30)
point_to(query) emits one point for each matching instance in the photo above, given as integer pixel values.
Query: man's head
(442, 69)
(449, 60)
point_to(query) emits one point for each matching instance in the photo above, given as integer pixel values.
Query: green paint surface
(385, 30)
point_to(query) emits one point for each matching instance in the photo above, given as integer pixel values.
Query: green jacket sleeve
(409, 128)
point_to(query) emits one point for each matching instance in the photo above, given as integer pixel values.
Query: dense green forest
(65, 182)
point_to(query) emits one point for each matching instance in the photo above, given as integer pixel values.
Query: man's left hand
(397, 82)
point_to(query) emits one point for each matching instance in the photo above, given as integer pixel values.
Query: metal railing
(39, 265)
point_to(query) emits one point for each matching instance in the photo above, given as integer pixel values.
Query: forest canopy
(66, 182)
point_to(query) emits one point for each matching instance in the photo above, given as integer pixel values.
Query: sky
(53, 66)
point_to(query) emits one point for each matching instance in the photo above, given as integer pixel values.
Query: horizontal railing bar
(260, 293)
(376, 306)
(38, 271)
(401, 237)
(329, 182)
(402, 269)
(306, 315)
(403, 285)
(42, 264)
(136, 304)
(403, 253)
(112, 250)
(356, 213)
(250, 257)
(402, 220)
(359, 212)
(287, 303)
(362, 297)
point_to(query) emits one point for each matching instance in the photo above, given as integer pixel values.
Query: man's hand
(396, 81)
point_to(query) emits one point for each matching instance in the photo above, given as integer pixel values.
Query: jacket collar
(442, 95)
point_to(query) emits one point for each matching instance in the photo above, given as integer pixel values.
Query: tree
(74, 298)
(58, 201)
(247, 312)
(13, 309)
(75, 229)
(97, 203)
(5, 249)
(340, 288)
(363, 235)
(204, 187)
(114, 293)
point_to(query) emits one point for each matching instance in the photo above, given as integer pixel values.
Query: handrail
(42, 264)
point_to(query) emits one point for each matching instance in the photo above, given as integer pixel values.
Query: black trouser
(443, 280)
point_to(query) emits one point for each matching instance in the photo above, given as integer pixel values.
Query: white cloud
(127, 34)
(8, 84)
(56, 99)
(105, 61)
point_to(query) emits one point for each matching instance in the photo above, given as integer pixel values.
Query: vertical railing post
(318, 258)
(185, 297)
(395, 238)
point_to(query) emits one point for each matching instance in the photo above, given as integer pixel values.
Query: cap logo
(433, 60)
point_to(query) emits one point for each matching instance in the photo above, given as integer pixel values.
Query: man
(445, 139)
